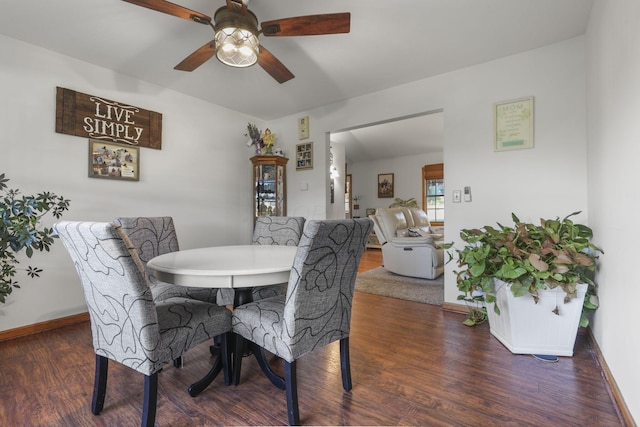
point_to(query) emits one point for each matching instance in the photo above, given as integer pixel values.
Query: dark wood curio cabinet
(269, 185)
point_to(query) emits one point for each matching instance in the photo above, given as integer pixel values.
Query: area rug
(381, 282)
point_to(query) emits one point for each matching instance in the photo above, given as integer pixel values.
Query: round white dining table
(241, 267)
(237, 266)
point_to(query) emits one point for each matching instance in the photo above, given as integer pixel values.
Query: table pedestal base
(275, 379)
(199, 386)
(234, 351)
(222, 349)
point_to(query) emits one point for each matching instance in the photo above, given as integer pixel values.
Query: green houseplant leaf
(409, 203)
(557, 252)
(20, 230)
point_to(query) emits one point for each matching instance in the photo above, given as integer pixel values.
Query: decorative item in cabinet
(269, 185)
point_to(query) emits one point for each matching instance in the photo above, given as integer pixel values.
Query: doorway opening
(400, 146)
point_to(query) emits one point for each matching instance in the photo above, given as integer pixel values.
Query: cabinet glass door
(269, 185)
(266, 190)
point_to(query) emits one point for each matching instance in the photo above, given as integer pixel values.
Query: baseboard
(23, 331)
(456, 308)
(621, 406)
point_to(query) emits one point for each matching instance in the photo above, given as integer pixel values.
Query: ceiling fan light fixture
(237, 47)
(236, 38)
(236, 34)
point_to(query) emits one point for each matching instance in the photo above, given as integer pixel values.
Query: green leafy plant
(409, 203)
(530, 257)
(20, 229)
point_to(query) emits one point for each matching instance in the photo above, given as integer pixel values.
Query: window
(433, 192)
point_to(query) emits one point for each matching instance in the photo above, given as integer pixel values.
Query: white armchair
(409, 246)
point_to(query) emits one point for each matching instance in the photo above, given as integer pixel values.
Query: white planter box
(525, 327)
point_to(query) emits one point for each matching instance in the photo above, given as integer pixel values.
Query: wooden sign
(93, 117)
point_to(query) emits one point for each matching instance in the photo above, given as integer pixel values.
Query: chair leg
(238, 352)
(150, 400)
(292, 392)
(177, 362)
(345, 364)
(99, 384)
(225, 357)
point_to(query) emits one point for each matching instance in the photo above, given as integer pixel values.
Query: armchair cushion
(419, 218)
(402, 222)
(409, 247)
(413, 241)
(391, 220)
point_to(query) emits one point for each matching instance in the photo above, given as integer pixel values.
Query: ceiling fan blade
(197, 58)
(311, 25)
(173, 9)
(273, 66)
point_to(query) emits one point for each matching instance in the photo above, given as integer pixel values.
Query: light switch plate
(457, 195)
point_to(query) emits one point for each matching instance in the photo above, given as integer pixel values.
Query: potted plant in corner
(535, 281)
(20, 229)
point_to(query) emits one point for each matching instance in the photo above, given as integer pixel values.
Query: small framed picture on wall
(385, 185)
(513, 124)
(304, 156)
(113, 161)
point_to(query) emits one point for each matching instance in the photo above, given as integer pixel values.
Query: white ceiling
(394, 138)
(391, 42)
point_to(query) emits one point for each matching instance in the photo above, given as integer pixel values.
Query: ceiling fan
(236, 34)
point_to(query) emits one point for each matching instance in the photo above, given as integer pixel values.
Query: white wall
(546, 181)
(549, 180)
(407, 179)
(201, 177)
(613, 76)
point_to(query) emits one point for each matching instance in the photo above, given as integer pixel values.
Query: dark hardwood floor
(412, 364)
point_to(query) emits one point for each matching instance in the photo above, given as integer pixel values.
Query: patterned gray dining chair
(316, 309)
(127, 325)
(270, 230)
(278, 230)
(156, 235)
(153, 236)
